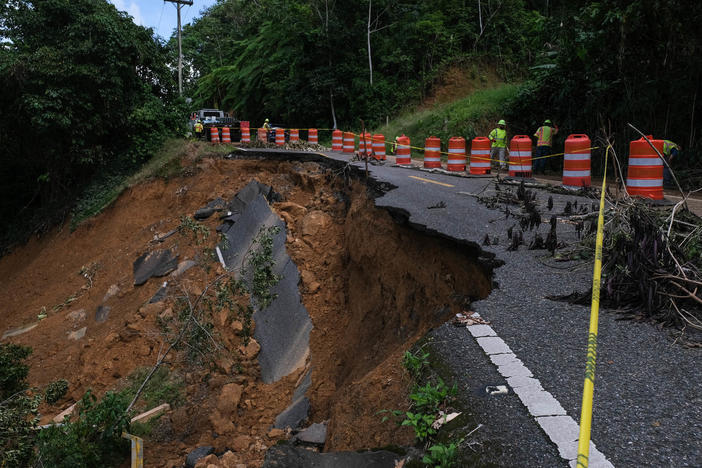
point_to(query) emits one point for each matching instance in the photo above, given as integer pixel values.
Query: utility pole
(179, 4)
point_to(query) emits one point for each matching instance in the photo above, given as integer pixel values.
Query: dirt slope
(366, 304)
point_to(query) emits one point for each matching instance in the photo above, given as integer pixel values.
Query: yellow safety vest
(498, 137)
(668, 147)
(198, 127)
(544, 135)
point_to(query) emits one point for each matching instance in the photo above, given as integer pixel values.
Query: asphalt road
(648, 391)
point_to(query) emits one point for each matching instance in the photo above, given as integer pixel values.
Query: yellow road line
(430, 181)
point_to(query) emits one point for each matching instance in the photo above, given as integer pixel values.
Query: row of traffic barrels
(644, 177)
(293, 135)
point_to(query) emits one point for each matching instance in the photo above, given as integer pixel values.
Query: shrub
(55, 391)
(13, 371)
(94, 439)
(18, 411)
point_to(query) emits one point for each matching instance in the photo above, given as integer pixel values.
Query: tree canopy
(84, 88)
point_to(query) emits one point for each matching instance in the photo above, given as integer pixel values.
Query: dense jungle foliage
(585, 65)
(87, 94)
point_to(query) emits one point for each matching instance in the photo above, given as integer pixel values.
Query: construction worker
(266, 124)
(198, 129)
(393, 147)
(670, 151)
(544, 142)
(498, 140)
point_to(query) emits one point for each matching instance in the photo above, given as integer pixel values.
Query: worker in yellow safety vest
(544, 142)
(266, 125)
(198, 129)
(670, 151)
(498, 140)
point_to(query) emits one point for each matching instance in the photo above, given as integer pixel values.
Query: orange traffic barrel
(456, 154)
(520, 156)
(432, 152)
(480, 155)
(312, 136)
(245, 132)
(402, 154)
(337, 140)
(294, 134)
(280, 136)
(576, 161)
(349, 142)
(379, 146)
(262, 134)
(226, 135)
(645, 175)
(364, 144)
(214, 134)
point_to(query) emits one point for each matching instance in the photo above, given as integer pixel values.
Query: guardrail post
(137, 450)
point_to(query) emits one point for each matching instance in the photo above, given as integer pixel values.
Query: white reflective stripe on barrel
(521, 168)
(457, 150)
(482, 152)
(520, 154)
(432, 159)
(431, 148)
(477, 164)
(577, 157)
(403, 146)
(645, 161)
(576, 173)
(644, 182)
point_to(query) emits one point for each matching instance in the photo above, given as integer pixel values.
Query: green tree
(84, 89)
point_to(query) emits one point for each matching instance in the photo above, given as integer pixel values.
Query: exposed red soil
(458, 82)
(371, 286)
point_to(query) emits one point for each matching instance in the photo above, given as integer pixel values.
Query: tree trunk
(331, 102)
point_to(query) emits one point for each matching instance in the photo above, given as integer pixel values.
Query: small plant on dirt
(93, 439)
(88, 272)
(196, 329)
(415, 362)
(55, 391)
(163, 387)
(259, 267)
(429, 397)
(199, 232)
(246, 316)
(421, 423)
(442, 456)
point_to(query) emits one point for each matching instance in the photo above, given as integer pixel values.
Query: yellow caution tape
(478, 158)
(418, 148)
(589, 386)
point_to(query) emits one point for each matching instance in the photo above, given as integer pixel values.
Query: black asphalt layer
(648, 391)
(283, 328)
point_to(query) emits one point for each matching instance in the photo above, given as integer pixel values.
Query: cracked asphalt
(648, 391)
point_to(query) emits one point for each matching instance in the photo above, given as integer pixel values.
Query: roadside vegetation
(430, 405)
(469, 117)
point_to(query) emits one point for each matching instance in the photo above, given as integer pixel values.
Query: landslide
(371, 285)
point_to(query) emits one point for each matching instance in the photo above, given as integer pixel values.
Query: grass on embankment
(469, 117)
(104, 190)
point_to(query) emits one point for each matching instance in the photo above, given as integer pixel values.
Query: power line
(163, 7)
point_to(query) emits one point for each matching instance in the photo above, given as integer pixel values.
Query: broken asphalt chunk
(101, 313)
(156, 263)
(316, 434)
